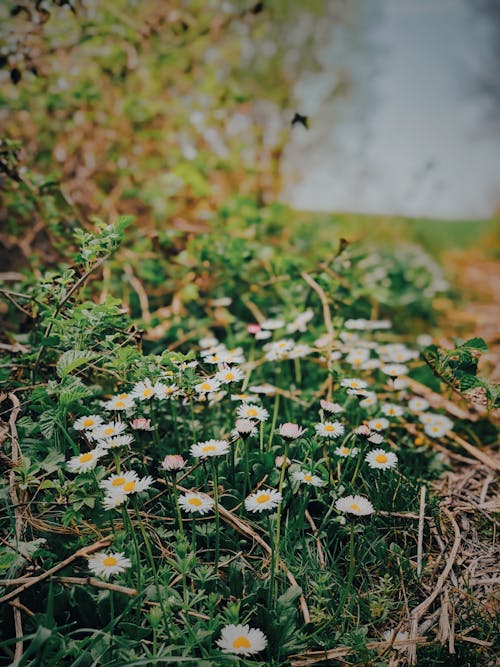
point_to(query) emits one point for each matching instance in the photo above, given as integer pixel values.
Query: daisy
(173, 463)
(278, 350)
(114, 499)
(394, 370)
(208, 385)
(307, 478)
(382, 460)
(87, 461)
(87, 422)
(202, 450)
(357, 357)
(170, 391)
(143, 390)
(330, 429)
(392, 410)
(417, 404)
(208, 341)
(244, 398)
(196, 502)
(108, 430)
(369, 400)
(228, 375)
(378, 424)
(234, 356)
(250, 411)
(141, 424)
(162, 391)
(245, 428)
(117, 441)
(273, 324)
(358, 505)
(266, 389)
(299, 351)
(116, 480)
(120, 402)
(291, 431)
(365, 432)
(263, 500)
(436, 430)
(346, 451)
(353, 383)
(263, 334)
(104, 565)
(334, 408)
(241, 640)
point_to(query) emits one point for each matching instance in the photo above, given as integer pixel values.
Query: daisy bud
(142, 424)
(290, 431)
(278, 462)
(245, 428)
(253, 328)
(173, 463)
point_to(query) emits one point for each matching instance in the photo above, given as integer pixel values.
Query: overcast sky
(425, 147)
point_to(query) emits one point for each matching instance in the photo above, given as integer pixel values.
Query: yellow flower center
(170, 390)
(378, 425)
(119, 404)
(109, 431)
(147, 392)
(208, 448)
(229, 376)
(195, 501)
(88, 422)
(355, 507)
(263, 498)
(122, 395)
(329, 428)
(354, 385)
(109, 561)
(241, 642)
(381, 458)
(345, 450)
(215, 357)
(206, 386)
(129, 486)
(281, 344)
(308, 478)
(85, 458)
(118, 481)
(252, 412)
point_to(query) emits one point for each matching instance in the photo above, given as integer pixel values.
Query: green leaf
(475, 344)
(73, 359)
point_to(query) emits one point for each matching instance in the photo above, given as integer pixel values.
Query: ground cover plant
(255, 493)
(230, 433)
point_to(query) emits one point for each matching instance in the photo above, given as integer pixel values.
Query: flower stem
(217, 517)
(275, 556)
(176, 503)
(275, 418)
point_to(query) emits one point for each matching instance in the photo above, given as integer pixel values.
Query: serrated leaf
(47, 423)
(73, 390)
(73, 359)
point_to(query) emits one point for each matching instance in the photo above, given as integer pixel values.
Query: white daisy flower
(245, 428)
(234, 356)
(369, 400)
(263, 334)
(173, 463)
(436, 430)
(241, 640)
(291, 431)
(346, 452)
(330, 429)
(108, 430)
(328, 406)
(202, 450)
(300, 322)
(273, 324)
(117, 441)
(392, 410)
(143, 391)
(279, 349)
(104, 565)
(357, 357)
(353, 383)
(87, 422)
(266, 389)
(370, 365)
(244, 398)
(228, 375)
(120, 402)
(196, 502)
(263, 500)
(382, 460)
(417, 404)
(299, 351)
(87, 461)
(208, 341)
(250, 411)
(379, 424)
(394, 370)
(307, 478)
(118, 480)
(358, 505)
(114, 499)
(208, 385)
